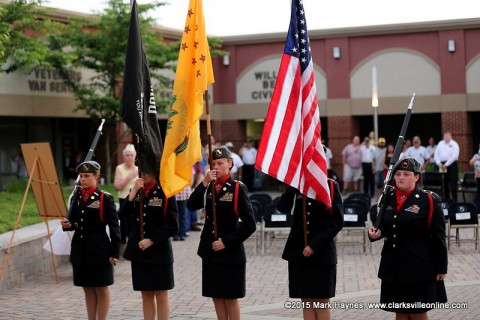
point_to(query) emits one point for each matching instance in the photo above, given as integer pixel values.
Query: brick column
(341, 131)
(457, 123)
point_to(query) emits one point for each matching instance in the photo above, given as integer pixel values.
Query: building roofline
(411, 27)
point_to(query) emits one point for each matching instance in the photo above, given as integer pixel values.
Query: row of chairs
(356, 208)
(435, 180)
(358, 215)
(268, 218)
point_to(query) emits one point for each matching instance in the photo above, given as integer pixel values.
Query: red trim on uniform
(430, 210)
(235, 199)
(101, 205)
(165, 207)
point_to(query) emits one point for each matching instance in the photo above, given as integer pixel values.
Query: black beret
(88, 166)
(407, 164)
(222, 152)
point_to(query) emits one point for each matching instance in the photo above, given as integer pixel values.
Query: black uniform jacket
(232, 231)
(159, 224)
(322, 227)
(91, 244)
(413, 251)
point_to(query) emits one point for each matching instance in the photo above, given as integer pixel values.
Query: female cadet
(93, 254)
(223, 256)
(149, 248)
(312, 267)
(414, 256)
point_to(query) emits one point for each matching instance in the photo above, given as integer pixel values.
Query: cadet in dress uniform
(312, 268)
(414, 256)
(93, 253)
(223, 257)
(151, 256)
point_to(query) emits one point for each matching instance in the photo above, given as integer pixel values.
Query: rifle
(74, 196)
(388, 188)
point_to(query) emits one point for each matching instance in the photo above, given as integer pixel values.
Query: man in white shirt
(236, 170)
(368, 166)
(419, 153)
(248, 154)
(446, 158)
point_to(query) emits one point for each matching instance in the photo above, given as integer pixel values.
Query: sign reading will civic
(256, 83)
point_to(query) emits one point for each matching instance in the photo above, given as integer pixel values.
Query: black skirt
(312, 281)
(225, 281)
(93, 276)
(152, 277)
(411, 293)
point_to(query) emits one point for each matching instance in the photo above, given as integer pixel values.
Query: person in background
(414, 256)
(93, 252)
(125, 176)
(192, 215)
(371, 137)
(248, 154)
(237, 168)
(475, 162)
(368, 166)
(446, 158)
(352, 164)
(149, 248)
(183, 221)
(387, 159)
(432, 146)
(419, 153)
(312, 266)
(378, 158)
(73, 163)
(222, 252)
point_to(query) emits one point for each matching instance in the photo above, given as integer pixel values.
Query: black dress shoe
(195, 228)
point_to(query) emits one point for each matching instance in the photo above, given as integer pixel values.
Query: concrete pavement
(267, 287)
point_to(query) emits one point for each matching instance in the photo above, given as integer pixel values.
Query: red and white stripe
(291, 146)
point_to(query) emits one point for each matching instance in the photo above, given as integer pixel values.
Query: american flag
(291, 148)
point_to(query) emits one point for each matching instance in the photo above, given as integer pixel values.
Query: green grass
(11, 202)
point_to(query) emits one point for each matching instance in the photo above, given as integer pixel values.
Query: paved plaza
(267, 286)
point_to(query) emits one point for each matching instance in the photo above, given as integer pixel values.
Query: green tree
(100, 45)
(20, 46)
(97, 43)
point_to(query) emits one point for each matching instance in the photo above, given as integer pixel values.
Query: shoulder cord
(235, 199)
(101, 205)
(430, 210)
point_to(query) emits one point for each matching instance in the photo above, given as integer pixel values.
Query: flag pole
(209, 139)
(140, 195)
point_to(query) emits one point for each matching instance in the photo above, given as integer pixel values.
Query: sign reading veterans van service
(256, 84)
(40, 82)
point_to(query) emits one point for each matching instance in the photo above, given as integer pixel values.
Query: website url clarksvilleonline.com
(373, 305)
